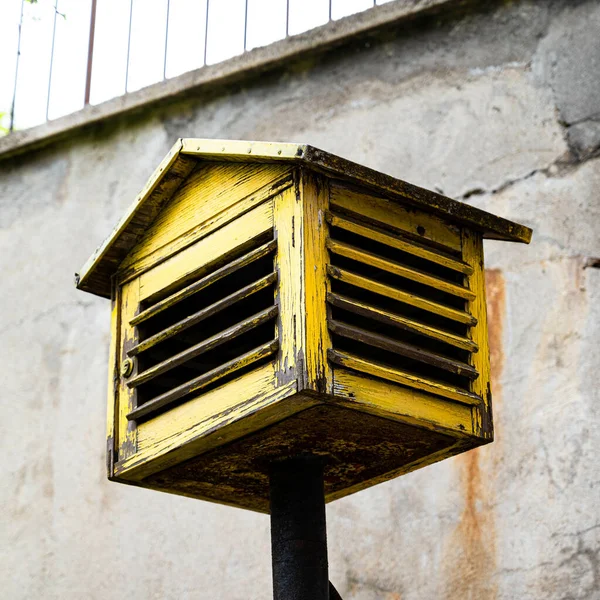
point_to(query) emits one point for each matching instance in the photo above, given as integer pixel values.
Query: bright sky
(185, 48)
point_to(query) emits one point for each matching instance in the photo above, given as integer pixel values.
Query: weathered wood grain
(473, 254)
(212, 196)
(209, 344)
(290, 324)
(394, 320)
(400, 295)
(417, 225)
(219, 247)
(360, 392)
(378, 262)
(205, 282)
(314, 191)
(203, 380)
(349, 361)
(126, 397)
(204, 314)
(399, 242)
(403, 349)
(241, 406)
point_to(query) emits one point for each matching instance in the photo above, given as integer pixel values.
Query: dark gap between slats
(404, 258)
(398, 282)
(203, 330)
(207, 362)
(394, 361)
(400, 308)
(209, 295)
(206, 270)
(391, 230)
(401, 335)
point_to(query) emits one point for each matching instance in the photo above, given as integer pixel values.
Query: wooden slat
(406, 245)
(203, 314)
(426, 384)
(213, 277)
(213, 195)
(204, 380)
(219, 247)
(418, 224)
(204, 346)
(395, 320)
(379, 262)
(384, 398)
(241, 150)
(399, 295)
(403, 349)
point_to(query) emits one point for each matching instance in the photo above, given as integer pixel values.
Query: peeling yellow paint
(232, 215)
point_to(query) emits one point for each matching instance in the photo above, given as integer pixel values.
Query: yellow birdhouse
(273, 300)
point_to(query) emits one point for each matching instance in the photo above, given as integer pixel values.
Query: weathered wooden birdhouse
(271, 300)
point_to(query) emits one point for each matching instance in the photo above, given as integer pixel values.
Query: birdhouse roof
(95, 276)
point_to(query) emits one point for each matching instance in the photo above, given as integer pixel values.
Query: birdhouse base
(359, 450)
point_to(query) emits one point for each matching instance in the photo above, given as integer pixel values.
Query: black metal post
(298, 532)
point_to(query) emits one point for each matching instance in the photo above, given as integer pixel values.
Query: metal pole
(298, 533)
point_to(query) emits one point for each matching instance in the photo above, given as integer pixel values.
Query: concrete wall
(499, 107)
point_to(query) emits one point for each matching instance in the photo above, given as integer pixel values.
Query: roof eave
(489, 225)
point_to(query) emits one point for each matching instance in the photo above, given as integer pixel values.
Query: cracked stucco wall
(501, 108)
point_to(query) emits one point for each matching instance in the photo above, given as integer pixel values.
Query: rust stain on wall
(470, 551)
(496, 303)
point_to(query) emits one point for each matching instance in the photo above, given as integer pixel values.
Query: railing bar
(166, 39)
(330, 9)
(206, 32)
(245, 26)
(12, 107)
(88, 74)
(128, 44)
(287, 19)
(51, 59)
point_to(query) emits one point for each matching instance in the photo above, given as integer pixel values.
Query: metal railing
(53, 22)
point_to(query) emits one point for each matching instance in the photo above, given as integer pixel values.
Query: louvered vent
(208, 331)
(397, 308)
